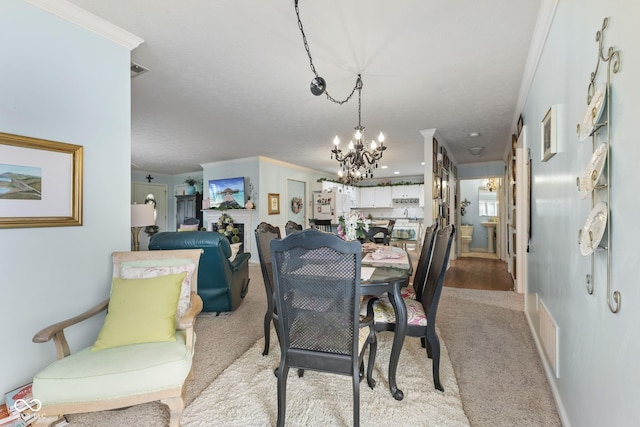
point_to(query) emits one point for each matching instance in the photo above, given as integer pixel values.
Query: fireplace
(239, 216)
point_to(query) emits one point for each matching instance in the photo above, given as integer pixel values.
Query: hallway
(478, 273)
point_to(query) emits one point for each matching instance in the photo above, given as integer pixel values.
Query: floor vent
(549, 337)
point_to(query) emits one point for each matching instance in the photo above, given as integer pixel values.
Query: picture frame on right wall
(548, 134)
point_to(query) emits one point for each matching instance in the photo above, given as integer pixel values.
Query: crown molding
(72, 13)
(540, 33)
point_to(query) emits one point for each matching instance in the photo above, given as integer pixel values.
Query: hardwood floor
(478, 273)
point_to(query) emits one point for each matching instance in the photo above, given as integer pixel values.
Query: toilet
(466, 233)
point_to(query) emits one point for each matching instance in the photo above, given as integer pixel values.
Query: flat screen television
(227, 193)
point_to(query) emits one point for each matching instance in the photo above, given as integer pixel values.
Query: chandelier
(358, 163)
(492, 184)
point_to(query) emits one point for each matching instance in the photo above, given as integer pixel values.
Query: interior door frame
(306, 195)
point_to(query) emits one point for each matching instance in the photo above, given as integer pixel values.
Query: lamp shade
(142, 215)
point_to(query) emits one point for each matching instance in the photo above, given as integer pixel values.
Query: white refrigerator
(327, 205)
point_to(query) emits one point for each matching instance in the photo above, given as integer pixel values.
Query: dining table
(380, 275)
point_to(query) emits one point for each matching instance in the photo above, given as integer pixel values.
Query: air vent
(137, 69)
(549, 338)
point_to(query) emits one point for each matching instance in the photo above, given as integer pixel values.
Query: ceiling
(230, 79)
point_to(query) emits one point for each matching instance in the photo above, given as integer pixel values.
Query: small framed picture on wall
(274, 203)
(548, 134)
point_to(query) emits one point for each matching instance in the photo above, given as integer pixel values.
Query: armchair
(128, 373)
(223, 280)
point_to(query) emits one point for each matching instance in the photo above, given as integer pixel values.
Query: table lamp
(141, 216)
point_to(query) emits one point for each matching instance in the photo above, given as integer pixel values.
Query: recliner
(222, 284)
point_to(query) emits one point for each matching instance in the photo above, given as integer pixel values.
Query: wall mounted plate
(593, 171)
(593, 113)
(593, 230)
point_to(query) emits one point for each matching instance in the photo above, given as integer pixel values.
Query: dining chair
(390, 225)
(264, 233)
(317, 294)
(373, 235)
(421, 313)
(292, 227)
(415, 288)
(322, 224)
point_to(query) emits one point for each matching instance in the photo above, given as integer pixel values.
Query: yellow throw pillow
(140, 311)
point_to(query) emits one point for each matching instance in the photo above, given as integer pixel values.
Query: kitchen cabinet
(405, 191)
(367, 197)
(375, 197)
(382, 197)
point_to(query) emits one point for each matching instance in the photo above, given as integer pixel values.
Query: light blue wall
(267, 176)
(170, 181)
(484, 170)
(62, 83)
(599, 381)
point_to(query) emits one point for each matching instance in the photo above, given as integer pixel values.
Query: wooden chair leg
(267, 332)
(356, 401)
(176, 407)
(283, 372)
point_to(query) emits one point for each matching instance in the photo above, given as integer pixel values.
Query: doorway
(156, 194)
(296, 201)
(480, 218)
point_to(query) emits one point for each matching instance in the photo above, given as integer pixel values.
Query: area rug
(245, 394)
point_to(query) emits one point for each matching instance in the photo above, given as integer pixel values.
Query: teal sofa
(222, 284)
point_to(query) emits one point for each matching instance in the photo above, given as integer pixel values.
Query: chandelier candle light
(358, 163)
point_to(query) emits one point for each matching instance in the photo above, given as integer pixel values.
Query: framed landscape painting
(40, 182)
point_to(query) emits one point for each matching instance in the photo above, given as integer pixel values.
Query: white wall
(268, 176)
(599, 381)
(62, 83)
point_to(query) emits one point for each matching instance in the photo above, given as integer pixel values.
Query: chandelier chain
(313, 68)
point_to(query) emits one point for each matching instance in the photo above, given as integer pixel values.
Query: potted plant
(191, 186)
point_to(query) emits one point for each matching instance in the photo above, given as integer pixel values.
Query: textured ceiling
(230, 79)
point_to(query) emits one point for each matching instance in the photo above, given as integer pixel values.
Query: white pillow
(235, 248)
(188, 227)
(128, 272)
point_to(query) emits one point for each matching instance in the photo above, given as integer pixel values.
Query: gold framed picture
(40, 182)
(274, 203)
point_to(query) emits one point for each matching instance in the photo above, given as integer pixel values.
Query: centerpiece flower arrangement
(352, 226)
(226, 227)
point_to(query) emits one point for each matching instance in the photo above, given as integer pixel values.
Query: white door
(140, 192)
(296, 192)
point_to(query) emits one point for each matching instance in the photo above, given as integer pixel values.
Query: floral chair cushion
(384, 313)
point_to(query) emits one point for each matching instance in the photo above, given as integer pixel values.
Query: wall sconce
(141, 216)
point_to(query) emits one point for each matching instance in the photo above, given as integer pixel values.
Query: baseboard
(548, 370)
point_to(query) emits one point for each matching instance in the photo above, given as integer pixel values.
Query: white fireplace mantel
(240, 216)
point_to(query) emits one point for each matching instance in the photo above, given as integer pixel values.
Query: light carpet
(245, 394)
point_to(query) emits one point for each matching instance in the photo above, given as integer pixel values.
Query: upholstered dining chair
(144, 350)
(421, 313)
(264, 233)
(292, 227)
(322, 224)
(317, 293)
(414, 290)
